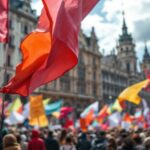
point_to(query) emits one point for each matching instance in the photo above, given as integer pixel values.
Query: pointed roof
(146, 53)
(125, 36)
(124, 27)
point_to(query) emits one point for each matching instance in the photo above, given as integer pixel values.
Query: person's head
(102, 134)
(9, 140)
(137, 139)
(147, 143)
(35, 134)
(18, 137)
(128, 143)
(69, 140)
(63, 135)
(50, 133)
(112, 143)
(23, 138)
(83, 136)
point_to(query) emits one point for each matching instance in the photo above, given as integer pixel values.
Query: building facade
(81, 85)
(119, 70)
(22, 20)
(96, 77)
(78, 87)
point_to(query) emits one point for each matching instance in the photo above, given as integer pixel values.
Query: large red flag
(52, 49)
(3, 20)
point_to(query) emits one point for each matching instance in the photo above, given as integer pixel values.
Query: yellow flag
(15, 106)
(56, 114)
(131, 93)
(41, 121)
(37, 112)
(117, 106)
(46, 101)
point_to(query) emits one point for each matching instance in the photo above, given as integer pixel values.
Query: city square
(67, 83)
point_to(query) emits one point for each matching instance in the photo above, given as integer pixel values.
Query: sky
(107, 19)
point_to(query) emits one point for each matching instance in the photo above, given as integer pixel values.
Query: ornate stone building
(22, 20)
(78, 87)
(81, 85)
(119, 70)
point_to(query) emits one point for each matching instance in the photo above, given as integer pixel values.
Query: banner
(36, 106)
(37, 112)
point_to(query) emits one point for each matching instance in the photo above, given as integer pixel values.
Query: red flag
(52, 49)
(3, 20)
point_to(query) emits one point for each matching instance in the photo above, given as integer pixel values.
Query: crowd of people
(62, 139)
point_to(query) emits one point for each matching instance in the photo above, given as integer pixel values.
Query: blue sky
(106, 17)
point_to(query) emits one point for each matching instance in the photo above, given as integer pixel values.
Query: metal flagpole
(3, 94)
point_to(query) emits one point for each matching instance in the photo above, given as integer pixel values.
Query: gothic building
(118, 71)
(145, 65)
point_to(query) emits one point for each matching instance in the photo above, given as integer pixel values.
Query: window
(11, 41)
(11, 24)
(65, 82)
(81, 76)
(26, 29)
(94, 89)
(128, 67)
(8, 60)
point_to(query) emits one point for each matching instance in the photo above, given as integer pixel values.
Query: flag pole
(3, 94)
(5, 75)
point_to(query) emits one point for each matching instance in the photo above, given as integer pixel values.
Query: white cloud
(37, 5)
(108, 22)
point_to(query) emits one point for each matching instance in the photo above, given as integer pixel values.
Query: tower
(126, 53)
(146, 60)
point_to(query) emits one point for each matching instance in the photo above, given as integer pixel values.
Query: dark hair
(129, 144)
(137, 139)
(69, 140)
(63, 135)
(50, 133)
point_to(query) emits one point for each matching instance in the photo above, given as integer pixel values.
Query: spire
(124, 27)
(146, 53)
(93, 32)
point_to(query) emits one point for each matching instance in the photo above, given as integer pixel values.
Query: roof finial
(124, 27)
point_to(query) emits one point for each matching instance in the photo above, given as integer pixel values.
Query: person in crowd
(128, 144)
(100, 143)
(68, 144)
(10, 143)
(23, 143)
(138, 142)
(112, 145)
(83, 143)
(63, 135)
(36, 143)
(147, 143)
(51, 143)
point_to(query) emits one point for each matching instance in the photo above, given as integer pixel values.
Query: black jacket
(51, 144)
